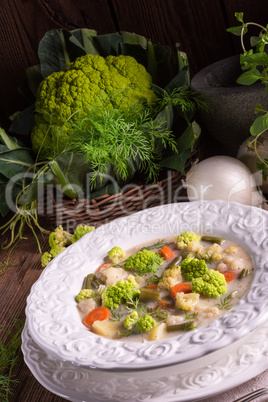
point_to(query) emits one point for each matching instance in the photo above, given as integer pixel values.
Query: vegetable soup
(163, 288)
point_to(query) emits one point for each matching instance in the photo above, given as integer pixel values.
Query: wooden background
(198, 25)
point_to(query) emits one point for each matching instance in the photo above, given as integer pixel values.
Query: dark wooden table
(16, 279)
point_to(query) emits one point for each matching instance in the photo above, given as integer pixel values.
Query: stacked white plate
(78, 365)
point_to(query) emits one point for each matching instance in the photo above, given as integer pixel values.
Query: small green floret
(45, 259)
(84, 294)
(144, 261)
(145, 324)
(56, 250)
(122, 291)
(131, 320)
(116, 254)
(80, 231)
(213, 284)
(59, 238)
(193, 268)
(186, 237)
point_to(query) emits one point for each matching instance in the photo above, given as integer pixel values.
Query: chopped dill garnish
(225, 303)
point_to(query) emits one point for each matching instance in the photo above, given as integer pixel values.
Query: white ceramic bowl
(51, 311)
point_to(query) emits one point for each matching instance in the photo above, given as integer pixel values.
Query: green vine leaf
(249, 77)
(259, 125)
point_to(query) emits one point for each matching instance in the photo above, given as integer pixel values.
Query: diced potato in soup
(164, 288)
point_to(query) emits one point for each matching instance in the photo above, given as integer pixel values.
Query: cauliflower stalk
(113, 82)
(213, 284)
(193, 268)
(80, 231)
(144, 261)
(116, 254)
(122, 291)
(185, 238)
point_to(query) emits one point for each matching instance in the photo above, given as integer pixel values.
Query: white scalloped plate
(198, 379)
(51, 308)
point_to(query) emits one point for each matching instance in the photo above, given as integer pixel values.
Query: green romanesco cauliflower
(80, 231)
(193, 268)
(131, 320)
(45, 259)
(116, 254)
(59, 237)
(56, 250)
(145, 324)
(144, 261)
(84, 294)
(48, 256)
(213, 284)
(123, 290)
(113, 82)
(185, 238)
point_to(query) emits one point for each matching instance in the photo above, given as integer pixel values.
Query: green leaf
(185, 145)
(7, 141)
(15, 162)
(87, 38)
(23, 122)
(71, 172)
(239, 16)
(56, 50)
(255, 59)
(249, 77)
(4, 186)
(236, 30)
(259, 125)
(258, 108)
(34, 78)
(35, 189)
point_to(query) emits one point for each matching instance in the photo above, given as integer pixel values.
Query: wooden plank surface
(199, 27)
(15, 283)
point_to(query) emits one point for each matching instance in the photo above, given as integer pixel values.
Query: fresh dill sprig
(142, 309)
(189, 325)
(225, 303)
(153, 279)
(119, 144)
(190, 316)
(115, 316)
(9, 355)
(158, 244)
(186, 100)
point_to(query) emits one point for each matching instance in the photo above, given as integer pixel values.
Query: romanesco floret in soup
(213, 284)
(185, 238)
(119, 293)
(193, 268)
(144, 261)
(116, 254)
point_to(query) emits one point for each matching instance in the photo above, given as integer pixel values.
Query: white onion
(249, 157)
(222, 178)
